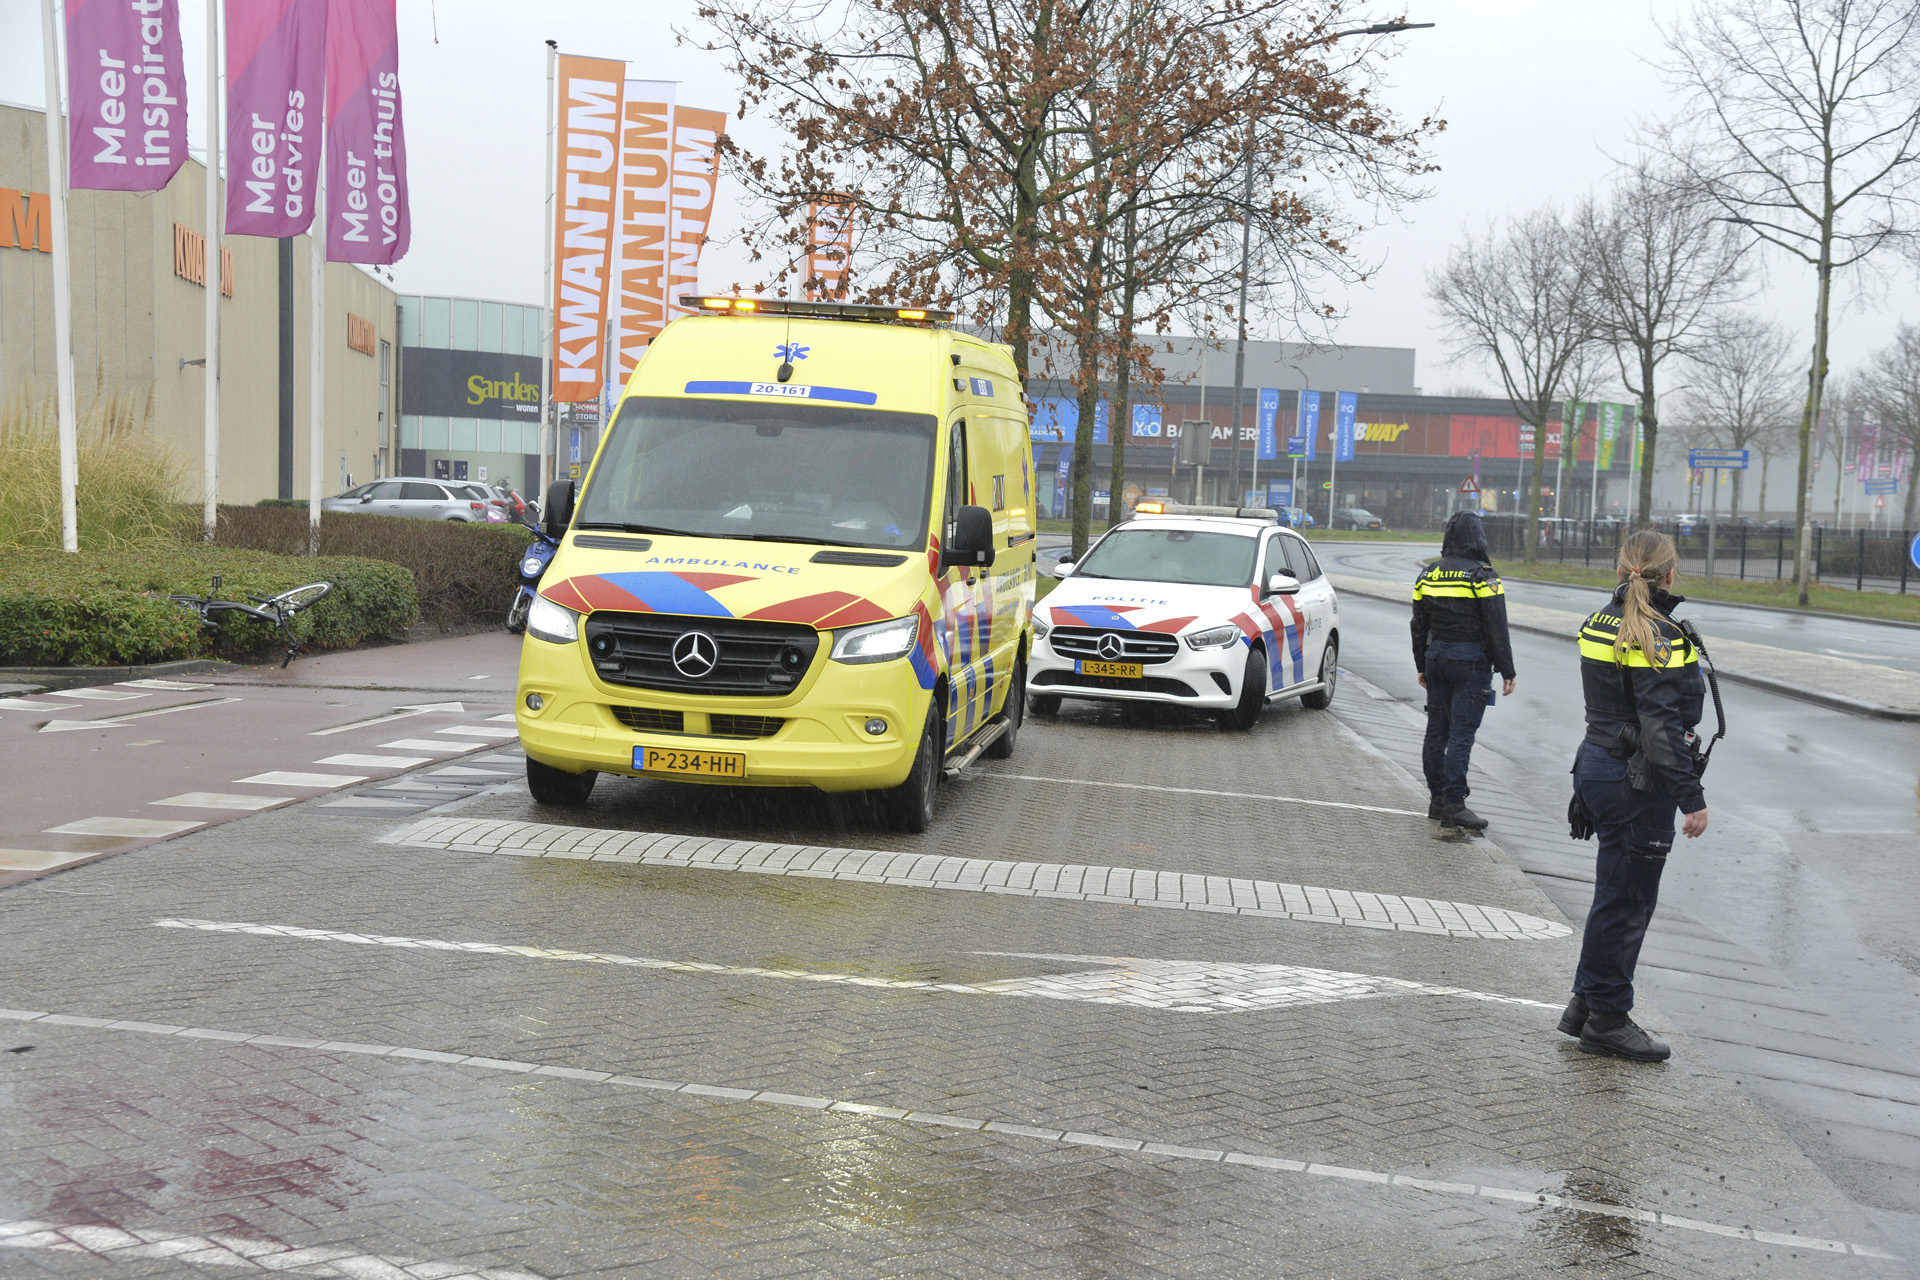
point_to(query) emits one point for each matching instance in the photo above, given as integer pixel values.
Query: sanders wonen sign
(438, 383)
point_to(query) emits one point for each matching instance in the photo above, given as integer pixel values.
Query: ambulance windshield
(1187, 556)
(779, 472)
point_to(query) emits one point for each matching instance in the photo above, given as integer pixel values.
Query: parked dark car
(1356, 518)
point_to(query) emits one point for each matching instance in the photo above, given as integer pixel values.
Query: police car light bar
(1156, 507)
(817, 310)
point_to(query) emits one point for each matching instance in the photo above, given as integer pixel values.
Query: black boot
(1618, 1036)
(1458, 815)
(1575, 1017)
(1436, 809)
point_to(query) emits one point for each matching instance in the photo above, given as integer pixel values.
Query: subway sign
(438, 383)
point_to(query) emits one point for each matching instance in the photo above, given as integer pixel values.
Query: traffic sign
(1913, 552)
(1296, 446)
(1716, 459)
(1469, 485)
(1888, 487)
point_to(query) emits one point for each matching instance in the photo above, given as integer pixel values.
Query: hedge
(111, 608)
(466, 573)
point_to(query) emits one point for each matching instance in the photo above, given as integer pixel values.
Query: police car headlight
(881, 642)
(552, 623)
(1213, 637)
(1040, 629)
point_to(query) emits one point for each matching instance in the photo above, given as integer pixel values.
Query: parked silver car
(411, 496)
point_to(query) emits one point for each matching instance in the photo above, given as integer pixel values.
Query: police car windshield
(780, 472)
(1191, 556)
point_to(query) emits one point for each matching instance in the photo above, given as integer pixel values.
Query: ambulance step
(989, 734)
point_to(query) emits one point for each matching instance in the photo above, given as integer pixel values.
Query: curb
(54, 679)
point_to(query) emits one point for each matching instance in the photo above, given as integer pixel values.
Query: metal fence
(1860, 559)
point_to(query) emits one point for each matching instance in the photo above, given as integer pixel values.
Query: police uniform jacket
(1460, 597)
(1661, 693)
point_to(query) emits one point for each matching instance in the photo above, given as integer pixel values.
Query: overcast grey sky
(1532, 94)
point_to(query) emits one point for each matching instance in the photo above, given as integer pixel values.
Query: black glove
(1579, 821)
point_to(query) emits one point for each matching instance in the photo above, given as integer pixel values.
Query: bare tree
(1890, 387)
(1802, 123)
(1742, 391)
(1659, 266)
(1513, 298)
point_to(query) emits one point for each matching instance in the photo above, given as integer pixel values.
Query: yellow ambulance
(803, 555)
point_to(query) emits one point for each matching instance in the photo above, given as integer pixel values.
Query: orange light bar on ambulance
(819, 310)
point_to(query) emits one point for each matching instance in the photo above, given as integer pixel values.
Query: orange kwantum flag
(590, 98)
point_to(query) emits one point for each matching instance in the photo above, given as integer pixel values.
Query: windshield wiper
(618, 527)
(790, 537)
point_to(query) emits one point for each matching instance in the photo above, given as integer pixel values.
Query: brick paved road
(292, 1042)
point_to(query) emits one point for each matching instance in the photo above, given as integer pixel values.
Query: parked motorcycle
(533, 565)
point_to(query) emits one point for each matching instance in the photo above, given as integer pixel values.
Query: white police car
(1210, 607)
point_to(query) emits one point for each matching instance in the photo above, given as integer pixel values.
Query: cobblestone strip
(804, 1102)
(116, 1244)
(1124, 885)
(1183, 986)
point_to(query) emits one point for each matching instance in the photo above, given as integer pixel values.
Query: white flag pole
(550, 409)
(210, 487)
(317, 351)
(50, 14)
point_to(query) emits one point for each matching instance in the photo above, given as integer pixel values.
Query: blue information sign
(1913, 552)
(1887, 487)
(1307, 423)
(1717, 459)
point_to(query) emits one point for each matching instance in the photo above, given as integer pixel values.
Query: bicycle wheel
(292, 602)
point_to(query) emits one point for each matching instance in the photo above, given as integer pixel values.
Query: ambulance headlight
(552, 623)
(1213, 637)
(881, 642)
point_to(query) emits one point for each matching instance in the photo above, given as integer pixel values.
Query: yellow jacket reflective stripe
(1424, 588)
(1596, 642)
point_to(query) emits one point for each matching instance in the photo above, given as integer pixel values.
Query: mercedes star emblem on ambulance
(695, 654)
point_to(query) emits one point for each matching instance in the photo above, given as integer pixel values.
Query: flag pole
(50, 14)
(550, 410)
(210, 487)
(317, 350)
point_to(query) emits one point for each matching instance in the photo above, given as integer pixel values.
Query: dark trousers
(1458, 677)
(1635, 830)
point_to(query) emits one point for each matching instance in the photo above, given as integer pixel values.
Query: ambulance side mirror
(970, 541)
(557, 513)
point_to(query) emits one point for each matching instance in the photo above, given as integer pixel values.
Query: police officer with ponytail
(1638, 765)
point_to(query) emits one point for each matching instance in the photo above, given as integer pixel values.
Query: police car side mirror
(558, 508)
(1282, 584)
(970, 541)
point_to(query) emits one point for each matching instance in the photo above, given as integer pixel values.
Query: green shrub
(129, 480)
(465, 573)
(111, 609)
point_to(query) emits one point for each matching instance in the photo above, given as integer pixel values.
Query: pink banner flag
(366, 204)
(126, 94)
(276, 58)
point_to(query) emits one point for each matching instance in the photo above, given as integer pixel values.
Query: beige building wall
(135, 320)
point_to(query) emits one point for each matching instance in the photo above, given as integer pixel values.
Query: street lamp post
(1246, 251)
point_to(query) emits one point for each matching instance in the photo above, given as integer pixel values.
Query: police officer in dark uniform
(1459, 640)
(1635, 768)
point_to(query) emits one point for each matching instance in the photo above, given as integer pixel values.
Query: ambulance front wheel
(558, 787)
(909, 806)
(1015, 710)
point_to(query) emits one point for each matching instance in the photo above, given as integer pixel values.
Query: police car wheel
(1015, 711)
(1329, 677)
(558, 787)
(1044, 704)
(1253, 692)
(910, 805)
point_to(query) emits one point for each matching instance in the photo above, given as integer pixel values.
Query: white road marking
(28, 704)
(421, 744)
(281, 778)
(121, 827)
(507, 717)
(101, 695)
(114, 722)
(1129, 886)
(116, 1244)
(717, 1094)
(479, 731)
(1196, 791)
(1183, 986)
(375, 762)
(176, 685)
(398, 713)
(221, 800)
(35, 859)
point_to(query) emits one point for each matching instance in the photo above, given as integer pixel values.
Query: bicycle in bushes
(277, 612)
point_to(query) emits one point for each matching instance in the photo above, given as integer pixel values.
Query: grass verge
(1779, 595)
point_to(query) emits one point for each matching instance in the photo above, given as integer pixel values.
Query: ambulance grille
(650, 719)
(768, 659)
(1146, 647)
(745, 726)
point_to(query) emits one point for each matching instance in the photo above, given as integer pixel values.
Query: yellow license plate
(1112, 670)
(701, 764)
